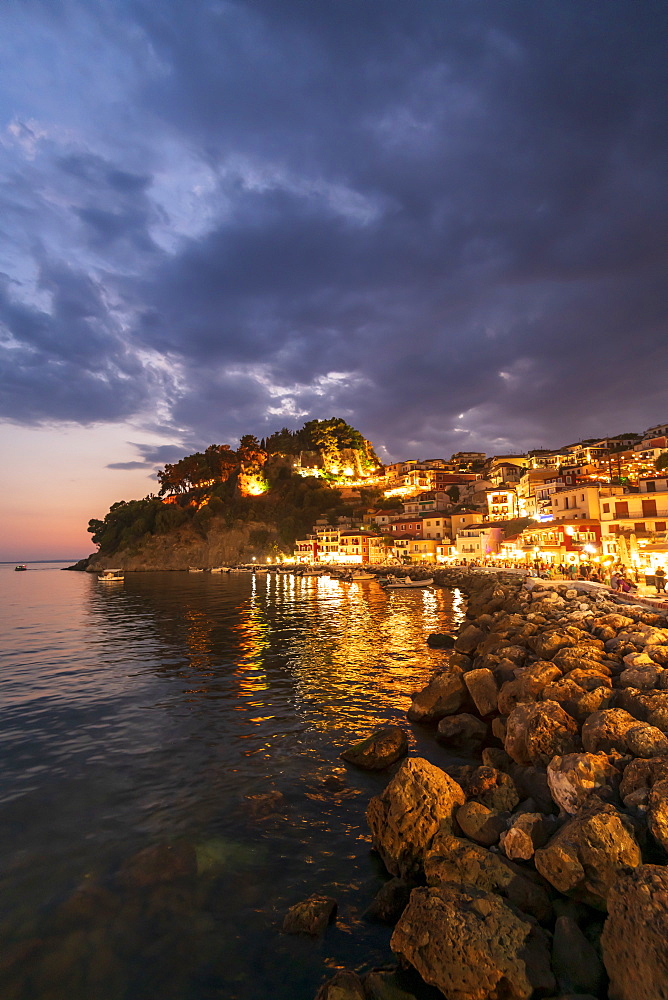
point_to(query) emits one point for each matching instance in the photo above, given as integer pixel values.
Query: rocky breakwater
(538, 866)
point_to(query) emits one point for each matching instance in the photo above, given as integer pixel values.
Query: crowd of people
(623, 579)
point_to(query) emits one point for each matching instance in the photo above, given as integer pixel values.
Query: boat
(219, 569)
(394, 583)
(195, 569)
(358, 574)
(111, 576)
(20, 568)
(260, 569)
(314, 571)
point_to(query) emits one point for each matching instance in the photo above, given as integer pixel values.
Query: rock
(405, 817)
(378, 751)
(536, 732)
(641, 677)
(444, 695)
(646, 741)
(389, 902)
(382, 984)
(493, 788)
(462, 732)
(658, 654)
(499, 728)
(265, 804)
(586, 855)
(310, 916)
(574, 959)
(481, 824)
(482, 688)
(471, 945)
(590, 679)
(635, 934)
(657, 813)
(606, 730)
(452, 859)
(496, 758)
(440, 640)
(157, 865)
(575, 700)
(527, 686)
(546, 644)
(575, 776)
(527, 832)
(469, 639)
(343, 986)
(639, 778)
(616, 621)
(532, 783)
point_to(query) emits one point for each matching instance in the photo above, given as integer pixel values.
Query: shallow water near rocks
(205, 712)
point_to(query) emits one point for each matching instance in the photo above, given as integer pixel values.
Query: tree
(453, 493)
(661, 462)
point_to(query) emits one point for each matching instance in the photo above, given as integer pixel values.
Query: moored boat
(111, 576)
(195, 569)
(394, 583)
(20, 568)
(358, 574)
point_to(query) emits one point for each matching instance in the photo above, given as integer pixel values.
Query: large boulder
(639, 778)
(469, 638)
(578, 701)
(635, 934)
(471, 945)
(527, 685)
(586, 855)
(657, 813)
(481, 824)
(546, 644)
(575, 776)
(452, 859)
(405, 817)
(378, 751)
(461, 732)
(605, 731)
(527, 832)
(483, 689)
(575, 961)
(444, 695)
(535, 733)
(493, 788)
(643, 740)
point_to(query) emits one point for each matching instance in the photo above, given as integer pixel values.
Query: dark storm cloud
(444, 221)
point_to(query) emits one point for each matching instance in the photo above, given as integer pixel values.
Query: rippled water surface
(205, 712)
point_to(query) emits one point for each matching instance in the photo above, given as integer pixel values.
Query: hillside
(224, 506)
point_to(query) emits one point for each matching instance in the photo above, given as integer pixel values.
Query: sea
(194, 715)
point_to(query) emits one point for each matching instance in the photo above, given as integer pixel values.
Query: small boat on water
(219, 569)
(314, 571)
(111, 576)
(20, 568)
(358, 574)
(394, 583)
(195, 569)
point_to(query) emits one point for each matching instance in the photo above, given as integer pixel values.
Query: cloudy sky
(445, 220)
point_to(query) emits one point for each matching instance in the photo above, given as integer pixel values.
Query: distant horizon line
(24, 562)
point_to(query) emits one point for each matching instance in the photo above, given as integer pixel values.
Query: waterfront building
(581, 501)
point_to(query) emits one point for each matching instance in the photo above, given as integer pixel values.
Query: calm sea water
(205, 712)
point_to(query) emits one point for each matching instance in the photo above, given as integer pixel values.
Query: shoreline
(529, 871)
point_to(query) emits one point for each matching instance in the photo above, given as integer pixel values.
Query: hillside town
(586, 509)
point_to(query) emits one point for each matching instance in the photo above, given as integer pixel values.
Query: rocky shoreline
(540, 870)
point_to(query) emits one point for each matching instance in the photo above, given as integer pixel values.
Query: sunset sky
(443, 220)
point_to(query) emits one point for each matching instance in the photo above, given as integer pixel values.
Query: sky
(443, 220)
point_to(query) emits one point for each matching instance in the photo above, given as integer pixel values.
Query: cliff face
(184, 547)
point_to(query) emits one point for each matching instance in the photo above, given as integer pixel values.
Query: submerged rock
(380, 750)
(310, 916)
(343, 986)
(405, 817)
(158, 864)
(472, 946)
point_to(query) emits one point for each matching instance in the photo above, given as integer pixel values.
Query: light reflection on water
(206, 710)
